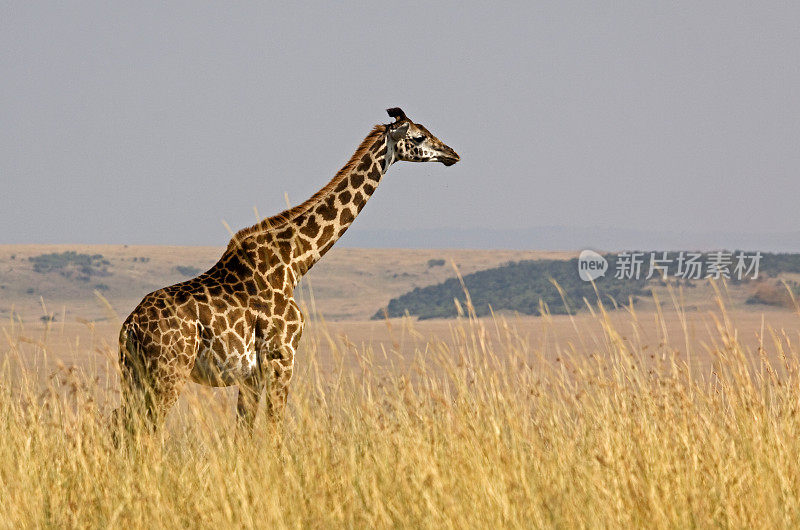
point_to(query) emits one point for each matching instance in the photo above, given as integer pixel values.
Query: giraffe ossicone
(238, 322)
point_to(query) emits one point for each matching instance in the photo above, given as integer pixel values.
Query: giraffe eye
(418, 139)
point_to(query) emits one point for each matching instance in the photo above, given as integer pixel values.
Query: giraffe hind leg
(134, 389)
(150, 387)
(146, 401)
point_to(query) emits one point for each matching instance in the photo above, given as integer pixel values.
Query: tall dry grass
(488, 428)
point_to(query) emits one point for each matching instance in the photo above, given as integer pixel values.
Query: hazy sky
(139, 123)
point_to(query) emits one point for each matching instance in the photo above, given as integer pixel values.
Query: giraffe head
(414, 143)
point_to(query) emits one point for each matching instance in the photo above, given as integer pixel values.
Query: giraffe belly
(213, 367)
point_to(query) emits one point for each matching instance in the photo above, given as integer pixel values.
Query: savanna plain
(682, 410)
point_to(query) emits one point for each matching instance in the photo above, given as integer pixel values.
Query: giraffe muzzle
(448, 157)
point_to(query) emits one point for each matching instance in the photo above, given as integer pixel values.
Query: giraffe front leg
(281, 364)
(247, 404)
(278, 392)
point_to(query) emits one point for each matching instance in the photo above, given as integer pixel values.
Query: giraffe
(238, 323)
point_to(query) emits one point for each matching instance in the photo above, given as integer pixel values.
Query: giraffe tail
(128, 351)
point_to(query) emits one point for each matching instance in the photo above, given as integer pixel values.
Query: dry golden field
(679, 412)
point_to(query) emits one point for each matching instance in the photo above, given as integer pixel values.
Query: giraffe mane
(279, 220)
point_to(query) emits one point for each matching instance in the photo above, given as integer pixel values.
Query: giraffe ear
(399, 132)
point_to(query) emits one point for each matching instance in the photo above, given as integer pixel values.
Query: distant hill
(517, 286)
(349, 284)
(523, 286)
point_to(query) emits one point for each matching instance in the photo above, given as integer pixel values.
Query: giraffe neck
(317, 230)
(290, 243)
